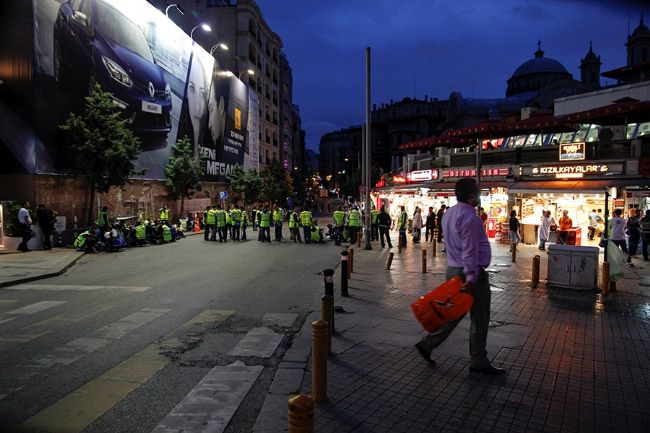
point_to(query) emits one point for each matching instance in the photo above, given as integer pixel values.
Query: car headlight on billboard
(117, 73)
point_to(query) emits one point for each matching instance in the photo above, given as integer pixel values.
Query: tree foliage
(246, 183)
(276, 183)
(183, 171)
(103, 146)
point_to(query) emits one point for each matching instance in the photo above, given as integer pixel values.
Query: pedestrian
(439, 216)
(430, 225)
(514, 228)
(593, 224)
(484, 218)
(46, 218)
(645, 234)
(417, 226)
(633, 232)
(617, 232)
(563, 227)
(468, 254)
(25, 224)
(384, 223)
(545, 229)
(402, 224)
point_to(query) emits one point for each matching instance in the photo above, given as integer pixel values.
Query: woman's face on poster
(216, 119)
(197, 92)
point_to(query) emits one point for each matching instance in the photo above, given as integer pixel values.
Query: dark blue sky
(433, 47)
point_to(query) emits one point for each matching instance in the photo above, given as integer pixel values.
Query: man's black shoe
(491, 370)
(424, 354)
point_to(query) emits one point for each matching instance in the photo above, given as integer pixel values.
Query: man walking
(25, 222)
(383, 220)
(402, 224)
(46, 218)
(468, 254)
(430, 225)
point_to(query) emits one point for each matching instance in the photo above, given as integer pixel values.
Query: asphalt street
(143, 327)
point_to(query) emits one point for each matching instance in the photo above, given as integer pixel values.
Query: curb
(42, 276)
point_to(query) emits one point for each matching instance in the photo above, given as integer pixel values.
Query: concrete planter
(35, 243)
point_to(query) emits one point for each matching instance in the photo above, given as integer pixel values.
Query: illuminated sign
(380, 183)
(572, 151)
(422, 175)
(471, 172)
(572, 171)
(399, 179)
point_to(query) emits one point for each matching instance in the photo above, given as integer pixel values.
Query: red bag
(441, 305)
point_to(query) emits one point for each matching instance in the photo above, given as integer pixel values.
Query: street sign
(223, 195)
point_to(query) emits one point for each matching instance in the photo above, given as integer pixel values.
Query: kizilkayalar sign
(165, 84)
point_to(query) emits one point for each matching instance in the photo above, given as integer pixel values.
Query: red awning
(487, 129)
(541, 124)
(433, 142)
(619, 113)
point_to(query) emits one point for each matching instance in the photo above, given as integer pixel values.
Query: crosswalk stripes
(36, 307)
(77, 288)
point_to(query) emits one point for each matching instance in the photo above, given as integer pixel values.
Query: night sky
(433, 47)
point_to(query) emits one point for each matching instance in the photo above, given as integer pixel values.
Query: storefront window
(644, 129)
(519, 141)
(581, 134)
(555, 139)
(531, 140)
(566, 137)
(592, 134)
(630, 130)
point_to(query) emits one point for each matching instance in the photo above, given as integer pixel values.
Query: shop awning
(621, 112)
(541, 124)
(433, 142)
(487, 129)
(577, 186)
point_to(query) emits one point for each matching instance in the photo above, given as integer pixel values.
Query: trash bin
(573, 267)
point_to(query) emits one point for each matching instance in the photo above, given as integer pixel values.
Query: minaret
(638, 45)
(590, 69)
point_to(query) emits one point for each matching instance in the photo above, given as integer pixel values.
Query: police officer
(339, 219)
(221, 224)
(354, 224)
(208, 216)
(294, 226)
(277, 223)
(306, 222)
(374, 229)
(244, 224)
(164, 215)
(228, 223)
(265, 225)
(86, 240)
(141, 233)
(236, 216)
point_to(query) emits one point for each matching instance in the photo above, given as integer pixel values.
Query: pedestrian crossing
(209, 406)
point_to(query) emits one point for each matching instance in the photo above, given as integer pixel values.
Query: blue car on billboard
(94, 42)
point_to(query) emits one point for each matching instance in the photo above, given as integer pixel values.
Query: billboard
(166, 86)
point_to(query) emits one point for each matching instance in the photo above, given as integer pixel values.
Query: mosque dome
(535, 73)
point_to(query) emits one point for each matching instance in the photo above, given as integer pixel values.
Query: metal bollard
(319, 360)
(390, 261)
(535, 278)
(434, 248)
(359, 238)
(327, 315)
(344, 273)
(424, 261)
(604, 280)
(329, 291)
(399, 245)
(351, 261)
(301, 414)
(328, 280)
(514, 254)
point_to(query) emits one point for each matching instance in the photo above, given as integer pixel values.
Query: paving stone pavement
(576, 362)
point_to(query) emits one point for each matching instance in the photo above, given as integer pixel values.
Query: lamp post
(219, 45)
(205, 27)
(367, 153)
(247, 71)
(173, 5)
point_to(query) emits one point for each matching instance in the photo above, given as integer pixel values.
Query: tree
(276, 183)
(245, 182)
(184, 171)
(104, 147)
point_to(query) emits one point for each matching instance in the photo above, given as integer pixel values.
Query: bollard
(350, 261)
(359, 239)
(319, 360)
(399, 245)
(434, 247)
(535, 278)
(612, 286)
(327, 315)
(301, 414)
(424, 261)
(328, 279)
(604, 280)
(344, 274)
(514, 255)
(390, 261)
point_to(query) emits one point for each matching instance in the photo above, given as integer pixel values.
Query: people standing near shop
(402, 224)
(593, 224)
(294, 226)
(645, 234)
(277, 223)
(439, 216)
(545, 229)
(617, 232)
(514, 229)
(633, 232)
(430, 225)
(563, 227)
(374, 229)
(417, 225)
(384, 222)
(46, 218)
(468, 254)
(484, 218)
(25, 223)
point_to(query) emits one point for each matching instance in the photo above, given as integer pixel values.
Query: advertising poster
(166, 86)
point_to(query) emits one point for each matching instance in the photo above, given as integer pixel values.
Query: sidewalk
(574, 364)
(16, 268)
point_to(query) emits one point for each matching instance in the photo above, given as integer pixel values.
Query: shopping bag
(442, 305)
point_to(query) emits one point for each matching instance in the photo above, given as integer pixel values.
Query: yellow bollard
(535, 277)
(434, 248)
(424, 261)
(301, 414)
(327, 315)
(604, 281)
(390, 261)
(319, 360)
(350, 261)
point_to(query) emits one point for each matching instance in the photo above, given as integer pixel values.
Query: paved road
(129, 342)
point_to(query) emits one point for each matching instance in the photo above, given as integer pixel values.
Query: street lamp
(218, 45)
(173, 5)
(205, 27)
(247, 71)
